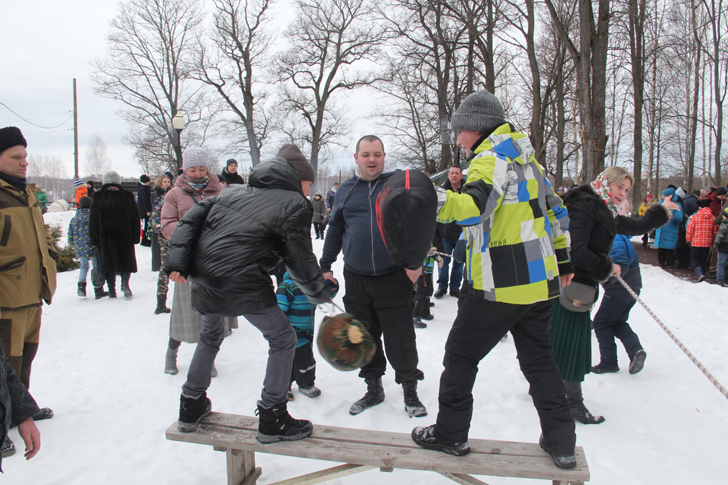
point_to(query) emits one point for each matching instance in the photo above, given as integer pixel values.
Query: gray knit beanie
(195, 157)
(480, 111)
(112, 178)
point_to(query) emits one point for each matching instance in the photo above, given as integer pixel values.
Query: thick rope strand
(710, 377)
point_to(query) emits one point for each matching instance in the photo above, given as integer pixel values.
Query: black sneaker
(599, 369)
(439, 294)
(637, 362)
(418, 323)
(561, 461)
(43, 413)
(192, 411)
(374, 396)
(8, 448)
(425, 437)
(429, 317)
(275, 424)
(580, 413)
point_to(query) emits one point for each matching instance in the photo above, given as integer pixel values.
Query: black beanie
(144, 178)
(84, 202)
(720, 191)
(297, 159)
(11, 136)
(232, 160)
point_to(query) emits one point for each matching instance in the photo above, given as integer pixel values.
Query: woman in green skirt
(594, 221)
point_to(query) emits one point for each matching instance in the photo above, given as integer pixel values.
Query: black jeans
(610, 320)
(666, 257)
(478, 327)
(699, 260)
(385, 304)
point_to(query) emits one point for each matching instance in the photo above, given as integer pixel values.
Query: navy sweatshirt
(353, 228)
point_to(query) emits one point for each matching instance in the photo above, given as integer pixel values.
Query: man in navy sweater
(378, 291)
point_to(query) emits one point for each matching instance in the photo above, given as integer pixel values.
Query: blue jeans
(84, 270)
(722, 260)
(444, 272)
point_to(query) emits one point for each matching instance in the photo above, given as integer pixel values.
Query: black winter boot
(81, 288)
(99, 292)
(111, 283)
(125, 286)
(576, 404)
(374, 396)
(275, 424)
(162, 305)
(425, 437)
(192, 411)
(561, 461)
(412, 404)
(8, 447)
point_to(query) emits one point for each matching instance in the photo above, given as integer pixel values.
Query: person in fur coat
(114, 229)
(594, 222)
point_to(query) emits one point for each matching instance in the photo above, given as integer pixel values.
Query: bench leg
(241, 467)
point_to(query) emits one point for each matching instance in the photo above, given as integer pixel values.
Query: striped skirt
(185, 323)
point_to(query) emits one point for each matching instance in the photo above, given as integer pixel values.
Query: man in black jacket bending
(226, 245)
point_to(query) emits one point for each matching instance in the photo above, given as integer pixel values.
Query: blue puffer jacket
(666, 236)
(78, 237)
(353, 228)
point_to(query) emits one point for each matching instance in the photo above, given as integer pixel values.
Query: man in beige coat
(27, 266)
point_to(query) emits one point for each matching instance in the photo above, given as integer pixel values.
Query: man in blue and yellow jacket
(514, 227)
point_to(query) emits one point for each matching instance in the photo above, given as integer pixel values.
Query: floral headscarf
(601, 187)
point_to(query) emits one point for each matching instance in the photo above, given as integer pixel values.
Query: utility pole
(75, 132)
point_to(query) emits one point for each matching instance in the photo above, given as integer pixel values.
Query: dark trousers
(444, 272)
(304, 367)
(319, 228)
(478, 327)
(699, 260)
(611, 321)
(666, 257)
(422, 296)
(385, 304)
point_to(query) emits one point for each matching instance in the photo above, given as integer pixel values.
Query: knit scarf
(601, 187)
(19, 184)
(198, 184)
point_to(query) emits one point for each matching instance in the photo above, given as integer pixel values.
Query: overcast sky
(45, 45)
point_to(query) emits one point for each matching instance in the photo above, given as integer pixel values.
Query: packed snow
(100, 368)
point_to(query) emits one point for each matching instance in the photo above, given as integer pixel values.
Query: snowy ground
(100, 367)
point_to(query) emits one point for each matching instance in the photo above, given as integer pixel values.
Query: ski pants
(19, 334)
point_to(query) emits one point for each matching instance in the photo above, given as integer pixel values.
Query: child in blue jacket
(301, 314)
(78, 239)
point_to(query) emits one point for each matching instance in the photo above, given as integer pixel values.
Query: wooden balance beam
(364, 450)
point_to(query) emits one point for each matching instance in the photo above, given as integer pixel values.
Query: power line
(31, 123)
(38, 117)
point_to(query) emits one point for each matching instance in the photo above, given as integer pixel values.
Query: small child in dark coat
(423, 292)
(301, 314)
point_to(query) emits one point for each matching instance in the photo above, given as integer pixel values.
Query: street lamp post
(178, 123)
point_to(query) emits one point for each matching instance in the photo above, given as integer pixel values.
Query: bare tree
(327, 38)
(50, 174)
(149, 66)
(241, 44)
(97, 161)
(589, 54)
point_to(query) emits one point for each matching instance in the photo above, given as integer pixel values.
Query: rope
(710, 377)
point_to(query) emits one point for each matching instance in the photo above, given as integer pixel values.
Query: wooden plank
(253, 477)
(326, 475)
(379, 437)
(240, 466)
(463, 479)
(393, 450)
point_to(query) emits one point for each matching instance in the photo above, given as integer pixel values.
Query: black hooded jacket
(592, 228)
(227, 244)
